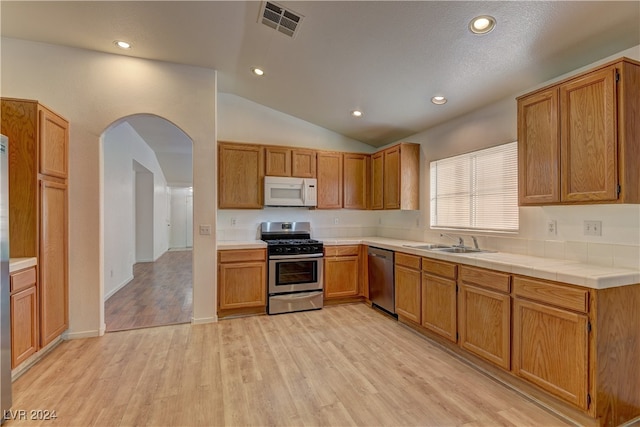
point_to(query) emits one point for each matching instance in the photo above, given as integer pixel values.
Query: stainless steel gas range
(295, 270)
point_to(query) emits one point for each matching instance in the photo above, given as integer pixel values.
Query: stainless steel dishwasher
(381, 285)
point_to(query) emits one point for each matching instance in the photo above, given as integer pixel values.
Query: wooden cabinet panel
(439, 268)
(240, 176)
(411, 261)
(330, 172)
(54, 298)
(24, 325)
(23, 279)
(303, 163)
(242, 255)
(356, 181)
(408, 290)
(550, 349)
(588, 133)
(485, 324)
(391, 187)
(486, 278)
(340, 250)
(539, 148)
(341, 276)
(439, 306)
(277, 161)
(377, 180)
(54, 142)
(242, 285)
(560, 295)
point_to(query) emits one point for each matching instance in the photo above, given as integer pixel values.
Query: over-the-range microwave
(285, 191)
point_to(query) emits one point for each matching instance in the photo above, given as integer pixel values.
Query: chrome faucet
(475, 242)
(460, 239)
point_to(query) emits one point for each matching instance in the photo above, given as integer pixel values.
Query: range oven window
(296, 272)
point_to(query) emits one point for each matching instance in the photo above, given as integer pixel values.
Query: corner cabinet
(579, 139)
(242, 282)
(395, 177)
(240, 176)
(38, 204)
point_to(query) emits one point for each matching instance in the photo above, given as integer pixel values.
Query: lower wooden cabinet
(484, 314)
(341, 271)
(439, 312)
(24, 315)
(408, 286)
(242, 279)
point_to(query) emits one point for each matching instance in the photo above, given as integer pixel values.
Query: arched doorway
(147, 161)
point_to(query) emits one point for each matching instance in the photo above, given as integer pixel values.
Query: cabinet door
(391, 192)
(329, 180)
(485, 324)
(278, 161)
(589, 137)
(439, 306)
(377, 180)
(341, 276)
(408, 293)
(54, 140)
(303, 163)
(24, 325)
(356, 181)
(240, 176)
(550, 349)
(242, 284)
(54, 294)
(539, 148)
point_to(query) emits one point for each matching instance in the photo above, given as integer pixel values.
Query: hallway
(161, 293)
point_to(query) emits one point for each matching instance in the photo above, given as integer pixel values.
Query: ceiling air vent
(280, 19)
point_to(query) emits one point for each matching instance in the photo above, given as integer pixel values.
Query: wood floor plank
(340, 366)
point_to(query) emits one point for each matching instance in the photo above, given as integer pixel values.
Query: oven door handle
(296, 256)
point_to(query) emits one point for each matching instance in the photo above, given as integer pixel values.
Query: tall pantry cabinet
(38, 204)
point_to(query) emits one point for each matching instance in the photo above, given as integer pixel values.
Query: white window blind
(476, 191)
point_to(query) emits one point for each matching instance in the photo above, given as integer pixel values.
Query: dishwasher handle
(380, 253)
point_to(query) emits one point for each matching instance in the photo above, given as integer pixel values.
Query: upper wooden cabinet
(356, 180)
(330, 171)
(240, 176)
(579, 139)
(283, 161)
(395, 177)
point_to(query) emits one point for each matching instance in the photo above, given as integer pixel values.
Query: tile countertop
(565, 271)
(16, 264)
(224, 245)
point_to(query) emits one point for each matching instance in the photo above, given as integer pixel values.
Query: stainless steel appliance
(295, 270)
(5, 317)
(381, 284)
(290, 191)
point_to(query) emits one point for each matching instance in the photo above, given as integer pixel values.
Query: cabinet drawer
(23, 279)
(488, 279)
(341, 250)
(411, 261)
(242, 255)
(554, 294)
(439, 268)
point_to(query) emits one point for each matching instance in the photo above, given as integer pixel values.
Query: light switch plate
(205, 230)
(593, 228)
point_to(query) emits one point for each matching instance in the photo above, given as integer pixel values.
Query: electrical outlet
(336, 220)
(233, 222)
(552, 227)
(593, 228)
(205, 230)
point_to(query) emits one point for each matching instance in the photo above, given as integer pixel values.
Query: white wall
(241, 120)
(496, 124)
(127, 156)
(93, 90)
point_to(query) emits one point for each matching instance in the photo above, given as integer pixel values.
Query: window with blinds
(476, 191)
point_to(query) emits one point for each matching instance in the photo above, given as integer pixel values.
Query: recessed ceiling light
(439, 100)
(482, 24)
(257, 71)
(356, 113)
(122, 44)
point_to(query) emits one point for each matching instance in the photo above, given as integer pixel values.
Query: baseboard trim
(117, 288)
(83, 334)
(203, 320)
(35, 358)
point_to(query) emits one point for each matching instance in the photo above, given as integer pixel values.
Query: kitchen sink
(429, 246)
(461, 250)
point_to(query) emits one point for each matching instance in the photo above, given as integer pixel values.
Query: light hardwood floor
(161, 293)
(339, 366)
